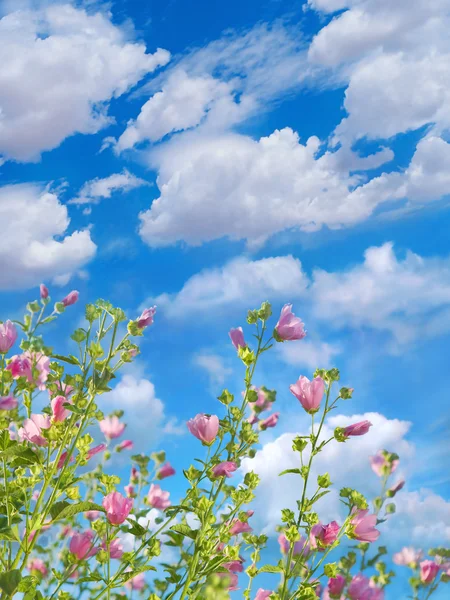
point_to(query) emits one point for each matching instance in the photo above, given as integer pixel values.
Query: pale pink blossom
(32, 429)
(96, 450)
(323, 535)
(136, 583)
(115, 548)
(253, 419)
(43, 289)
(237, 338)
(8, 402)
(235, 566)
(60, 412)
(8, 336)
(363, 526)
(270, 421)
(129, 490)
(263, 402)
(204, 427)
(359, 585)
(157, 498)
(309, 393)
(336, 586)
(82, 545)
(92, 515)
(224, 469)
(300, 547)
(146, 318)
(111, 427)
(37, 564)
(360, 428)
(428, 571)
(165, 471)
(20, 366)
(62, 460)
(125, 445)
(26, 363)
(289, 327)
(381, 465)
(117, 507)
(71, 298)
(64, 389)
(238, 526)
(407, 556)
(262, 594)
(396, 488)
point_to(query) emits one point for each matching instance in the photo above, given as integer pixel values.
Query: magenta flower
(336, 586)
(263, 402)
(111, 427)
(20, 366)
(204, 427)
(117, 507)
(289, 327)
(238, 526)
(253, 419)
(43, 289)
(271, 421)
(8, 336)
(64, 389)
(322, 536)
(125, 445)
(407, 556)
(309, 393)
(32, 429)
(71, 298)
(157, 498)
(62, 460)
(96, 450)
(428, 571)
(35, 366)
(396, 488)
(115, 548)
(92, 515)
(300, 547)
(136, 583)
(146, 318)
(60, 413)
(129, 490)
(237, 338)
(235, 566)
(359, 586)
(38, 565)
(360, 428)
(224, 469)
(165, 471)
(381, 465)
(363, 526)
(8, 402)
(263, 594)
(82, 545)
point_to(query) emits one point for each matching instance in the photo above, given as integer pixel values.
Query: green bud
(226, 398)
(252, 571)
(33, 307)
(390, 508)
(102, 556)
(265, 311)
(133, 329)
(59, 307)
(346, 393)
(79, 335)
(339, 434)
(324, 481)
(246, 355)
(252, 317)
(299, 444)
(330, 570)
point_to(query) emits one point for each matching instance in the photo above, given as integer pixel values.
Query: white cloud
(309, 353)
(214, 366)
(35, 245)
(96, 189)
(239, 282)
(59, 67)
(144, 413)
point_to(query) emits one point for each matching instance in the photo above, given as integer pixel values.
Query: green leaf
(9, 581)
(27, 584)
(270, 569)
(9, 534)
(293, 471)
(65, 510)
(130, 574)
(185, 530)
(68, 359)
(21, 454)
(136, 529)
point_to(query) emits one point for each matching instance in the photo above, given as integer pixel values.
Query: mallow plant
(64, 520)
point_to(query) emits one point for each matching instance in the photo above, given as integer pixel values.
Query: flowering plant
(63, 518)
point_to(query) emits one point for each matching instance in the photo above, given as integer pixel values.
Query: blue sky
(206, 156)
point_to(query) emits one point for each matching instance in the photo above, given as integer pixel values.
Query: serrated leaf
(130, 574)
(68, 359)
(185, 530)
(270, 569)
(65, 510)
(9, 534)
(9, 581)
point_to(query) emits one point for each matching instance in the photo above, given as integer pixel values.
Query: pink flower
(136, 583)
(96, 450)
(300, 547)
(25, 364)
(60, 413)
(336, 586)
(8, 402)
(263, 402)
(271, 421)
(71, 298)
(117, 507)
(8, 336)
(125, 445)
(224, 469)
(360, 428)
(324, 535)
(111, 427)
(43, 291)
(374, 592)
(165, 471)
(428, 571)
(157, 498)
(235, 566)
(82, 545)
(381, 465)
(237, 338)
(396, 488)
(32, 429)
(129, 490)
(363, 526)
(253, 419)
(309, 393)
(92, 515)
(62, 460)
(146, 318)
(232, 580)
(359, 585)
(38, 565)
(407, 556)
(20, 367)
(238, 526)
(204, 427)
(64, 389)
(289, 327)
(115, 548)
(263, 594)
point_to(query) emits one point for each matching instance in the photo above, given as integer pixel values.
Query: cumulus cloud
(144, 412)
(309, 353)
(35, 244)
(96, 189)
(59, 68)
(214, 366)
(239, 282)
